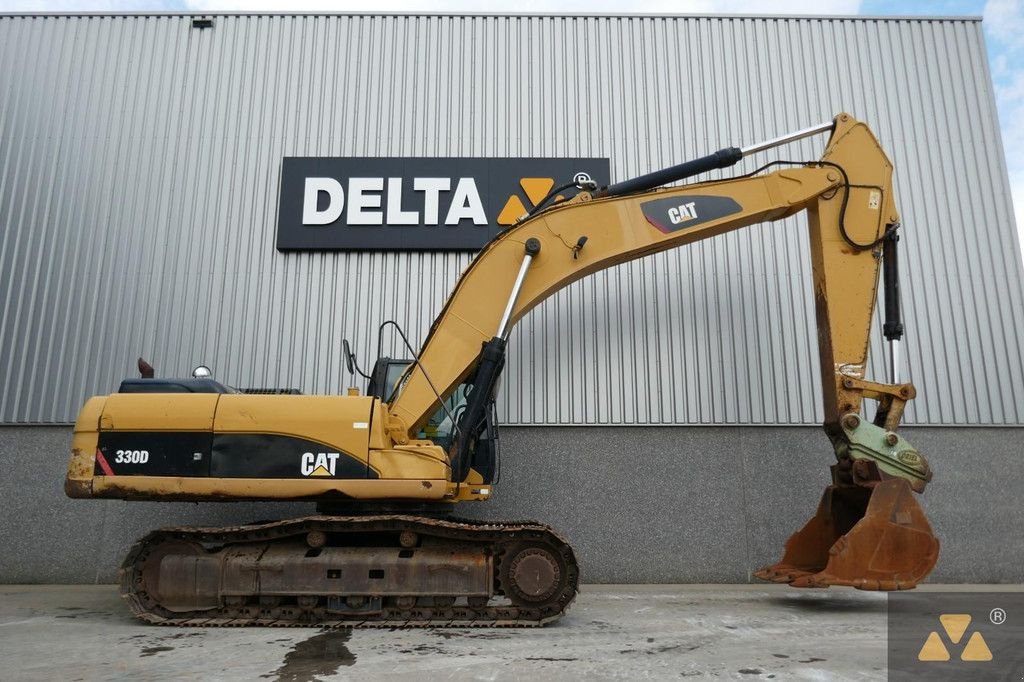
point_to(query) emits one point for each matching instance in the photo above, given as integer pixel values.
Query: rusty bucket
(871, 538)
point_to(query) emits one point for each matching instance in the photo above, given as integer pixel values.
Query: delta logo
(955, 625)
(415, 204)
(366, 201)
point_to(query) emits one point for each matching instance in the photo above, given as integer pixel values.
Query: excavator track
(352, 571)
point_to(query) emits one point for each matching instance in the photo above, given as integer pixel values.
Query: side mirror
(346, 350)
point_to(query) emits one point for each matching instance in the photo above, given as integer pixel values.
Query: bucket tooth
(875, 538)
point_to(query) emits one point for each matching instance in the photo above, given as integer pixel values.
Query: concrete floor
(654, 631)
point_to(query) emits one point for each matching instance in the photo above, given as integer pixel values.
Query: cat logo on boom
(320, 463)
(682, 213)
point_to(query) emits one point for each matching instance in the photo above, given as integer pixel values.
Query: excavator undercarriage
(353, 571)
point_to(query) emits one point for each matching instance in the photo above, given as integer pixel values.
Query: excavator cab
(385, 376)
(444, 424)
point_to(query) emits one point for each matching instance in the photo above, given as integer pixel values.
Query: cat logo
(955, 625)
(682, 213)
(320, 463)
(536, 189)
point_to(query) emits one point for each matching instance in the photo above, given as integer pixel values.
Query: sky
(1003, 26)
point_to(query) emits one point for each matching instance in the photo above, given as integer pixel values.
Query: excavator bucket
(871, 538)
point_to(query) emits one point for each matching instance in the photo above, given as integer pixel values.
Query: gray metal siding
(139, 170)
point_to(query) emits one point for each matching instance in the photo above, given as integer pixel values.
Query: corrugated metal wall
(139, 170)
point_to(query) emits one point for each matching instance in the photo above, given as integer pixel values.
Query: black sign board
(415, 204)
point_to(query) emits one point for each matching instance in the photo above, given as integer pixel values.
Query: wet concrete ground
(744, 632)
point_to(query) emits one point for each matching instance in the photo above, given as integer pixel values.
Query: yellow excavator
(387, 468)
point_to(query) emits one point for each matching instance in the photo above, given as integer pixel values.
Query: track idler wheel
(871, 538)
(532, 574)
(176, 574)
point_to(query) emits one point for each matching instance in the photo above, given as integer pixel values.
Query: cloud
(1003, 21)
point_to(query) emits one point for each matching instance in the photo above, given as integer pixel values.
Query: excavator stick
(869, 531)
(871, 538)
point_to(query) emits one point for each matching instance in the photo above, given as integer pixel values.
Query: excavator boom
(424, 437)
(849, 190)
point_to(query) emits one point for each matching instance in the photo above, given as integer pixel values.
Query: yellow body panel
(342, 422)
(346, 424)
(83, 448)
(411, 462)
(378, 420)
(159, 412)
